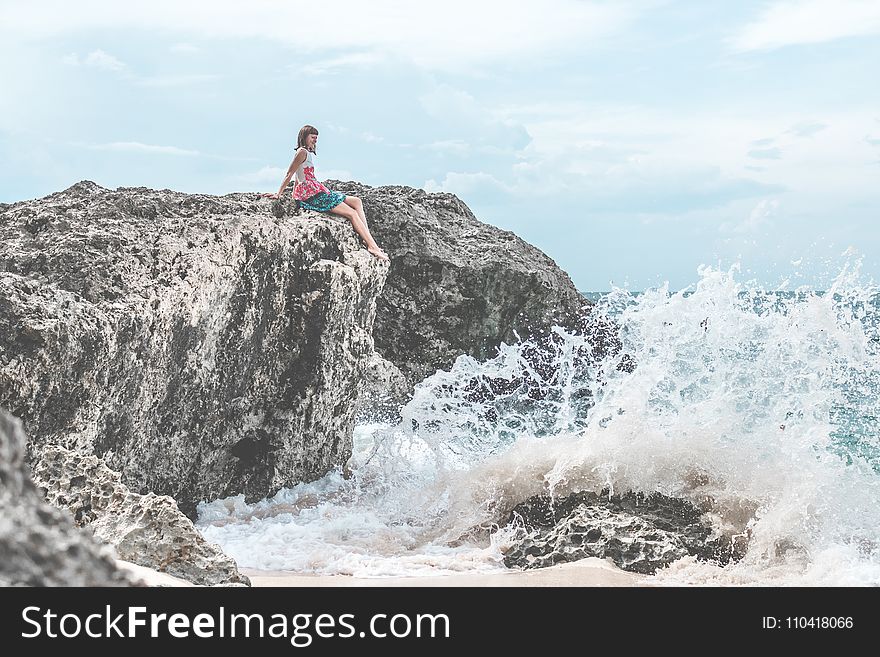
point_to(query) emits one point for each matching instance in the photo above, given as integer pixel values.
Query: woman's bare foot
(379, 253)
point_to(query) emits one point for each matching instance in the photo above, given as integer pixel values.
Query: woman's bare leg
(356, 203)
(360, 228)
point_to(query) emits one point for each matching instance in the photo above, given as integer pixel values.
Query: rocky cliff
(202, 346)
(157, 343)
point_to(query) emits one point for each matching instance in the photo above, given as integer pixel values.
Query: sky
(633, 141)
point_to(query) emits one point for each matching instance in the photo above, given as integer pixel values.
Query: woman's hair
(304, 132)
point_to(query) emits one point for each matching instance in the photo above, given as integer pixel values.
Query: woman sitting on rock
(313, 195)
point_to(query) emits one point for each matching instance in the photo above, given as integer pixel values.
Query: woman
(313, 195)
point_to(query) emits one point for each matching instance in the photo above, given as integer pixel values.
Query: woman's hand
(272, 195)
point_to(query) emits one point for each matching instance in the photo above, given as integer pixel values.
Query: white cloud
(103, 60)
(184, 47)
(370, 138)
(808, 21)
(137, 147)
(333, 64)
(471, 122)
(765, 153)
(444, 100)
(807, 129)
(95, 59)
(341, 129)
(626, 158)
(336, 174)
(177, 80)
(476, 187)
(764, 210)
(592, 139)
(422, 33)
(265, 175)
(449, 146)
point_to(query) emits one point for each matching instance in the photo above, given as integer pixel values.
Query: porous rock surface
(39, 544)
(638, 532)
(202, 346)
(148, 530)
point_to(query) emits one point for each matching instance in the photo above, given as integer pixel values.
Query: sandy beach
(587, 572)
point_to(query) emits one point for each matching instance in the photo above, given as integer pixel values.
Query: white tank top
(308, 162)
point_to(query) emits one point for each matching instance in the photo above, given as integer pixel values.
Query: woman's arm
(297, 160)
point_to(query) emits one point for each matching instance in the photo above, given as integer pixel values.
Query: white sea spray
(759, 407)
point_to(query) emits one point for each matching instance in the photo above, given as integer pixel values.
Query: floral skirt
(323, 201)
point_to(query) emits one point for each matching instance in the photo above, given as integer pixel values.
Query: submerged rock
(640, 533)
(39, 544)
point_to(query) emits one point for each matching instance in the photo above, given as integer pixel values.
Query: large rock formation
(456, 285)
(202, 346)
(205, 346)
(39, 545)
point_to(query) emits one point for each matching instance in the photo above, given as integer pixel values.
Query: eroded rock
(639, 533)
(39, 544)
(203, 346)
(148, 530)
